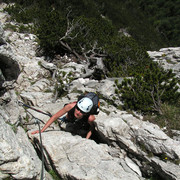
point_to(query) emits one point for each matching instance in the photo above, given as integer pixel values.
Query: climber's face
(78, 113)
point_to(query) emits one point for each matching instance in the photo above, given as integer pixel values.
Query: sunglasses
(80, 110)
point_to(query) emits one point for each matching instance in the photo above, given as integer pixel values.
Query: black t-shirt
(83, 122)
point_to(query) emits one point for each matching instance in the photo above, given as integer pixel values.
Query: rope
(37, 110)
(37, 121)
(42, 154)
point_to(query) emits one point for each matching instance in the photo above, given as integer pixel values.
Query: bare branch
(71, 26)
(157, 102)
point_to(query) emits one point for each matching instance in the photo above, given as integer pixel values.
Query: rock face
(78, 158)
(169, 58)
(123, 146)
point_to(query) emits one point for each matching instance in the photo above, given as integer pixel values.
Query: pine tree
(147, 92)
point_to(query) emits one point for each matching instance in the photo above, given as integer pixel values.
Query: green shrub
(147, 92)
(11, 27)
(49, 31)
(127, 15)
(125, 57)
(20, 13)
(26, 29)
(91, 33)
(164, 16)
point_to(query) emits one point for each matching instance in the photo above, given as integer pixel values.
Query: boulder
(18, 157)
(74, 157)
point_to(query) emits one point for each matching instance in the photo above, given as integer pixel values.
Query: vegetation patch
(147, 92)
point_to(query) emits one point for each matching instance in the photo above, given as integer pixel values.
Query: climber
(79, 112)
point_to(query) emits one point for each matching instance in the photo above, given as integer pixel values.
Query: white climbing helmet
(85, 104)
